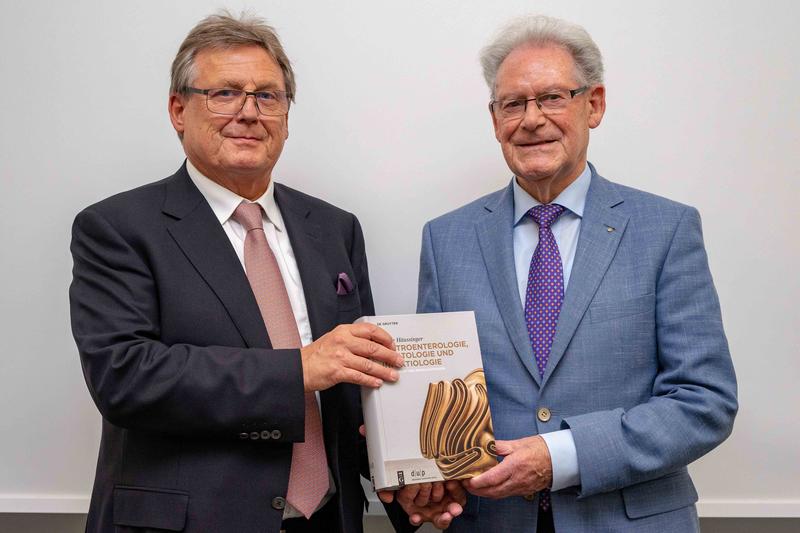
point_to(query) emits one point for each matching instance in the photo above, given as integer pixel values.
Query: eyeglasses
(551, 103)
(230, 101)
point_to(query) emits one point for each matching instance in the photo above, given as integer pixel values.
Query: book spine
(373, 423)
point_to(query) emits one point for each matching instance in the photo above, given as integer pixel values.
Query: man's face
(539, 147)
(244, 146)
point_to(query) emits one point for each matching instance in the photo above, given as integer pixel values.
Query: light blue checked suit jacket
(639, 368)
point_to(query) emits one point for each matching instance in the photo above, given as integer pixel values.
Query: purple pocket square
(343, 284)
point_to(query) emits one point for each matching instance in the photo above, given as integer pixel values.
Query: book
(434, 423)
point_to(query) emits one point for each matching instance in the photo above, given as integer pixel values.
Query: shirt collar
(224, 202)
(573, 197)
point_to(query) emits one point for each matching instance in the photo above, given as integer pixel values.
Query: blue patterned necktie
(544, 295)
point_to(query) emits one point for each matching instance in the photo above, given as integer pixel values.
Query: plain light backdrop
(391, 123)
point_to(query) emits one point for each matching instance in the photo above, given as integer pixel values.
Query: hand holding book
(526, 468)
(438, 503)
(350, 353)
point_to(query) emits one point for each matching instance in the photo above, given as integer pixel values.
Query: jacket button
(543, 414)
(276, 434)
(244, 436)
(255, 435)
(265, 435)
(278, 503)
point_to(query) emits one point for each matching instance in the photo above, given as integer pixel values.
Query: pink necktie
(308, 480)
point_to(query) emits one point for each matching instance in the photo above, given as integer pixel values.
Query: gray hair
(540, 30)
(223, 31)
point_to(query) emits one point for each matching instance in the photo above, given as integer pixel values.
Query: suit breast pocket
(639, 307)
(348, 299)
(348, 302)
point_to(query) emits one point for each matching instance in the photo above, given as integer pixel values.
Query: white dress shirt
(223, 203)
(526, 236)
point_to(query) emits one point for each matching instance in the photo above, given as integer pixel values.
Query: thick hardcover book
(433, 424)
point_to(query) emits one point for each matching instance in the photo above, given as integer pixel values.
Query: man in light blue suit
(606, 362)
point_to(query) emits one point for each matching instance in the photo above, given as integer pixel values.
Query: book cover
(434, 423)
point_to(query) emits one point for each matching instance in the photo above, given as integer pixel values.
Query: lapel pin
(609, 229)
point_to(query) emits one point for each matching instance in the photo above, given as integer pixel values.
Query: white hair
(540, 30)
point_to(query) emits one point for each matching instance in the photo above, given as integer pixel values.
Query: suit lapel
(200, 236)
(496, 237)
(601, 232)
(309, 247)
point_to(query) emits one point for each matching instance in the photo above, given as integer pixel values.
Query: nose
(249, 110)
(533, 117)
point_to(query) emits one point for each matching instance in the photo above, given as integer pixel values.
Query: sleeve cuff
(564, 458)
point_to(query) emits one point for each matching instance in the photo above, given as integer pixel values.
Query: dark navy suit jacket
(199, 412)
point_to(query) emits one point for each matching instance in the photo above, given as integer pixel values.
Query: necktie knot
(545, 214)
(249, 215)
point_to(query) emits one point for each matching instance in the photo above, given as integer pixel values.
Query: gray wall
(391, 123)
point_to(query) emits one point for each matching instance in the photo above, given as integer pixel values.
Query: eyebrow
(519, 96)
(270, 85)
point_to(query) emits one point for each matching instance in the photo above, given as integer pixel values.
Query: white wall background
(391, 123)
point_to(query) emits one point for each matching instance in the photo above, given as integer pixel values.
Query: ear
(495, 124)
(286, 127)
(176, 108)
(597, 102)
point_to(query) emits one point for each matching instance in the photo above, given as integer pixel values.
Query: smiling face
(545, 152)
(237, 151)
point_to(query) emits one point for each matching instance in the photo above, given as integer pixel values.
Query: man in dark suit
(212, 311)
